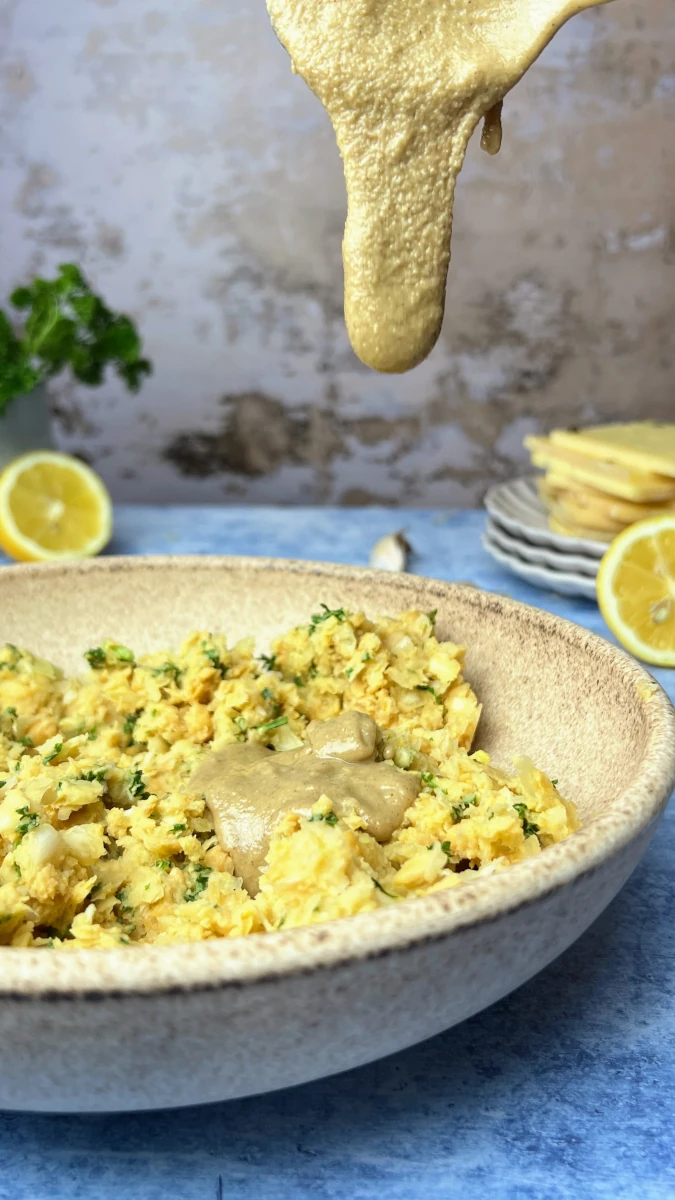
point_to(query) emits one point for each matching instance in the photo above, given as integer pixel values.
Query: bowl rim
(220, 964)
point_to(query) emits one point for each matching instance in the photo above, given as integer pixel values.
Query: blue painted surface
(563, 1091)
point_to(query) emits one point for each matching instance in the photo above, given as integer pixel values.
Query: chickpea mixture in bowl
(211, 793)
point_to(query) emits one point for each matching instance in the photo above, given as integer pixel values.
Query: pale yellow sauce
(405, 83)
(248, 787)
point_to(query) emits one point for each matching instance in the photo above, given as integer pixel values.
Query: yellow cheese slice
(576, 531)
(610, 477)
(647, 446)
(571, 512)
(599, 506)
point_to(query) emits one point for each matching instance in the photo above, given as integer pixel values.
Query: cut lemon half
(52, 507)
(636, 589)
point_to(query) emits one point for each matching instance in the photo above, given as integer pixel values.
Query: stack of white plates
(518, 537)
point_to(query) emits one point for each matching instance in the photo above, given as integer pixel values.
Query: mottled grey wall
(166, 146)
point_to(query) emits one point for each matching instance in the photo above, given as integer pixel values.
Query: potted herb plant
(65, 327)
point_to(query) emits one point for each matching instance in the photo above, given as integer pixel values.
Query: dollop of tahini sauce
(405, 83)
(248, 787)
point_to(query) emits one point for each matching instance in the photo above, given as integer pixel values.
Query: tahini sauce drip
(405, 83)
(248, 787)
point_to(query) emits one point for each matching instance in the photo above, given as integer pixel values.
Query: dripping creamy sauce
(248, 787)
(405, 82)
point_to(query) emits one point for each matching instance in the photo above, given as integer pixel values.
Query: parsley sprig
(66, 325)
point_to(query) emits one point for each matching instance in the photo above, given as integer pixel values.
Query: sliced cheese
(599, 506)
(610, 477)
(576, 531)
(646, 446)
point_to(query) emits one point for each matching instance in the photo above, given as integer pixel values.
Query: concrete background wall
(166, 146)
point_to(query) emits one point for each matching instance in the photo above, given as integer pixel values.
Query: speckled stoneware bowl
(161, 1026)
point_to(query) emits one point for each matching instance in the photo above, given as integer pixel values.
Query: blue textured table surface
(565, 1089)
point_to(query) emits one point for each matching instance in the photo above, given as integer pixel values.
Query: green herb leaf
(379, 887)
(328, 819)
(28, 821)
(54, 753)
(136, 787)
(66, 326)
(242, 726)
(95, 776)
(529, 828)
(268, 726)
(339, 614)
(425, 687)
(269, 662)
(96, 658)
(432, 615)
(179, 828)
(201, 882)
(121, 653)
(458, 810)
(130, 722)
(164, 864)
(214, 658)
(430, 781)
(170, 670)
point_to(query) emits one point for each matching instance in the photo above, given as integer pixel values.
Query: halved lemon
(52, 507)
(636, 589)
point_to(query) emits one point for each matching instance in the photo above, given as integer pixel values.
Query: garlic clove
(391, 553)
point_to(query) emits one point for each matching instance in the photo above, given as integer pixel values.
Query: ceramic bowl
(162, 1026)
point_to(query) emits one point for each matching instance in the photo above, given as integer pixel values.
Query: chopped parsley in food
(200, 882)
(107, 840)
(28, 820)
(325, 615)
(268, 726)
(168, 669)
(529, 827)
(130, 722)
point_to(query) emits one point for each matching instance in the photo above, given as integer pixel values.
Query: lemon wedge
(636, 589)
(52, 507)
